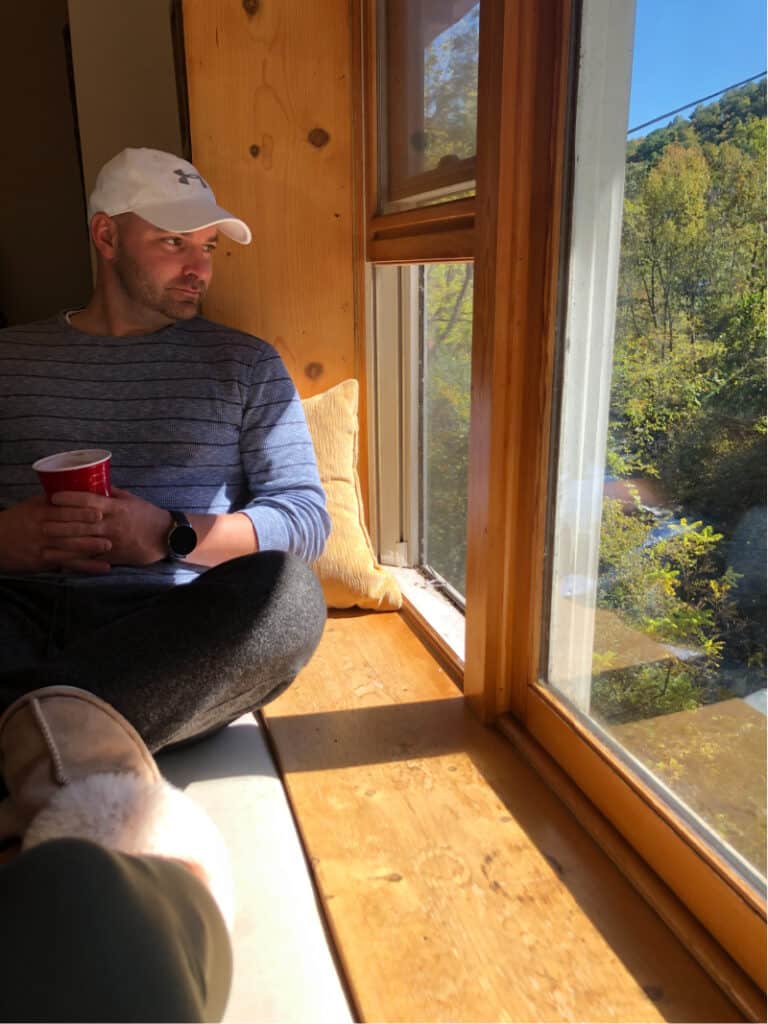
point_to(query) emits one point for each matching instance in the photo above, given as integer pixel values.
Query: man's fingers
(67, 548)
(73, 528)
(85, 514)
(81, 499)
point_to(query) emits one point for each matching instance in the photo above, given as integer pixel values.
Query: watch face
(182, 540)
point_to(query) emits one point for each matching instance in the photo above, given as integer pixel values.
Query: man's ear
(104, 235)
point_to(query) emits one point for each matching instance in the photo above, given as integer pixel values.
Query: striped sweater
(198, 417)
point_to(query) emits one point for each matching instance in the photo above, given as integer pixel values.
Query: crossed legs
(175, 662)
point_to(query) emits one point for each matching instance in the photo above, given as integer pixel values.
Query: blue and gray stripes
(197, 416)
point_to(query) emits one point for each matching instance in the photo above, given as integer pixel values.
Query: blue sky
(685, 49)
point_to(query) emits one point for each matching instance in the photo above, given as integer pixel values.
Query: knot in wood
(313, 370)
(319, 137)
(251, 7)
(254, 150)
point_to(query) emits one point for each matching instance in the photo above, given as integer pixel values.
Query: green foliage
(654, 396)
(675, 591)
(643, 692)
(725, 119)
(690, 339)
(739, 115)
(687, 401)
(688, 410)
(445, 410)
(681, 619)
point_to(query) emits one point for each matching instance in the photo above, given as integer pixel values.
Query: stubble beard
(145, 292)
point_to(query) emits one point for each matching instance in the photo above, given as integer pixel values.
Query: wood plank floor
(456, 886)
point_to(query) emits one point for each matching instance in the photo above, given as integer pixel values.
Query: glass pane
(429, 96)
(658, 610)
(446, 356)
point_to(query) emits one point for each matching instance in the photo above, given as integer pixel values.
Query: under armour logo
(185, 176)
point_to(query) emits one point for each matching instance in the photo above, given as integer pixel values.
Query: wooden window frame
(516, 229)
(399, 185)
(438, 233)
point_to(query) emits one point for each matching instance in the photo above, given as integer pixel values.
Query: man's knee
(297, 612)
(281, 588)
(303, 593)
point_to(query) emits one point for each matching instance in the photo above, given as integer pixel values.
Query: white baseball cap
(163, 189)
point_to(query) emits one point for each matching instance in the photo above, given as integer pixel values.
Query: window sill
(434, 618)
(456, 885)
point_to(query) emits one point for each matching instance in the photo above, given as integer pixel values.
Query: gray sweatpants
(176, 662)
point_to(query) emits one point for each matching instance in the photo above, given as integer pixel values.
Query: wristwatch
(182, 539)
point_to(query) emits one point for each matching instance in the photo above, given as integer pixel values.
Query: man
(216, 481)
(145, 618)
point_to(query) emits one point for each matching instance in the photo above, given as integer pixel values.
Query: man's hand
(90, 533)
(27, 543)
(135, 529)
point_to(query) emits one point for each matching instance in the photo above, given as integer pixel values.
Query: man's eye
(173, 242)
(210, 248)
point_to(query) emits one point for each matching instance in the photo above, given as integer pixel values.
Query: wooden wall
(271, 111)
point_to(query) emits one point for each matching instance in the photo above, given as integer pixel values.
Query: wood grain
(456, 886)
(712, 890)
(696, 939)
(423, 219)
(428, 247)
(260, 84)
(523, 78)
(438, 647)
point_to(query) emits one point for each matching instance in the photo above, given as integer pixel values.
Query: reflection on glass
(431, 96)
(446, 356)
(678, 620)
(450, 89)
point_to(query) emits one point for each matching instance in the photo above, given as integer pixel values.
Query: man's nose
(198, 265)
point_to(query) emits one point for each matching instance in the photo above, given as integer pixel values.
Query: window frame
(400, 188)
(437, 233)
(394, 359)
(517, 229)
(590, 281)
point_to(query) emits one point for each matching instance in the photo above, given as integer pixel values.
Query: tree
(445, 410)
(688, 404)
(450, 92)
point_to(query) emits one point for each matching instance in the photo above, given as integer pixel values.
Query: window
(446, 349)
(422, 78)
(428, 109)
(657, 608)
(603, 557)
(422, 357)
(553, 76)
(422, 59)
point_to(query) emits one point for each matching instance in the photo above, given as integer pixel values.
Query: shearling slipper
(138, 816)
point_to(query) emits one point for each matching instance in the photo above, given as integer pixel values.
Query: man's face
(164, 272)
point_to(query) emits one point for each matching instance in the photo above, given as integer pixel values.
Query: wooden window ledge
(456, 885)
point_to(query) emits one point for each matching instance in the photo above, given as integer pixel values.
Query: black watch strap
(182, 539)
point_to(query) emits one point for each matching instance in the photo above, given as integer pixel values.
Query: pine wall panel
(271, 111)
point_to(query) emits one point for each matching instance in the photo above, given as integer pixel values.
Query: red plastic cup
(86, 469)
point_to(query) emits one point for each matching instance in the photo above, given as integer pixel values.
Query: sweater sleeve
(287, 505)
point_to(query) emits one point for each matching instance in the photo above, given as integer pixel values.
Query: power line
(694, 102)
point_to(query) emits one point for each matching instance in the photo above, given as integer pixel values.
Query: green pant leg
(87, 934)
